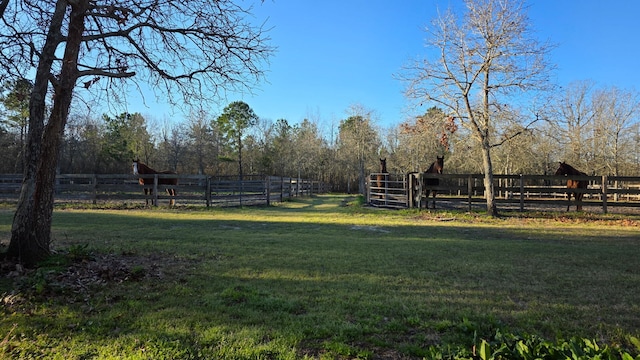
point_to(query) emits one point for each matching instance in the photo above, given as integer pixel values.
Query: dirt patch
(72, 278)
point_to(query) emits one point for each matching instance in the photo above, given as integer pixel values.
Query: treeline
(595, 129)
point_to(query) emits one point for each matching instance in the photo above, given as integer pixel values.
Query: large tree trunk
(31, 229)
(489, 190)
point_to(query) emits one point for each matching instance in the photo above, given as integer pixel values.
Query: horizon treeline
(597, 130)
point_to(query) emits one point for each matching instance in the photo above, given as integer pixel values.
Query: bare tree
(570, 117)
(615, 111)
(195, 48)
(173, 146)
(481, 62)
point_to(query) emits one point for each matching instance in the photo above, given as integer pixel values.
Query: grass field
(320, 277)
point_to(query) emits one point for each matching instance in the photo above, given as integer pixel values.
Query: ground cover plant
(324, 277)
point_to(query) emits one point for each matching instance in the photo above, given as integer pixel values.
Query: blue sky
(332, 54)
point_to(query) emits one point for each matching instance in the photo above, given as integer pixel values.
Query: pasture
(318, 277)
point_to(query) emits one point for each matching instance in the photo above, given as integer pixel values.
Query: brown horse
(381, 177)
(142, 169)
(568, 170)
(435, 168)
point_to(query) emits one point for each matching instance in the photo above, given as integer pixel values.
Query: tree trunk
(489, 190)
(31, 229)
(240, 156)
(361, 178)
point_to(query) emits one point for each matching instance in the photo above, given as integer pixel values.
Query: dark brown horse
(381, 177)
(142, 169)
(568, 170)
(430, 183)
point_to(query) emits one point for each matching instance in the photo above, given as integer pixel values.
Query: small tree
(426, 136)
(282, 146)
(126, 136)
(482, 61)
(201, 139)
(234, 121)
(358, 143)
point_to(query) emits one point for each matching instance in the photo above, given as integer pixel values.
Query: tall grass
(320, 277)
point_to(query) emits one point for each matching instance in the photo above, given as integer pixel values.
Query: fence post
(95, 188)
(469, 189)
(407, 184)
(521, 193)
(386, 189)
(604, 193)
(268, 184)
(155, 190)
(208, 190)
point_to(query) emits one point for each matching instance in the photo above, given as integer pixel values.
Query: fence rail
(519, 191)
(191, 189)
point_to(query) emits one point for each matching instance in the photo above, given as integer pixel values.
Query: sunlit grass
(324, 277)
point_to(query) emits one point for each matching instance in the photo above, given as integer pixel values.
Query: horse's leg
(578, 197)
(427, 199)
(172, 193)
(568, 200)
(434, 199)
(146, 197)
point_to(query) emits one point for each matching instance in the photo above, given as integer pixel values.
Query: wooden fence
(190, 190)
(522, 192)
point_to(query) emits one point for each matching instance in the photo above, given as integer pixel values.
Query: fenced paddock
(190, 190)
(517, 192)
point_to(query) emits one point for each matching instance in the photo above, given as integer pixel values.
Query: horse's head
(439, 164)
(563, 169)
(383, 165)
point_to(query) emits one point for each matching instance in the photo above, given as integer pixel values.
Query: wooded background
(595, 129)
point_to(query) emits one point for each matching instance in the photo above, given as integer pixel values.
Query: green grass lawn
(318, 277)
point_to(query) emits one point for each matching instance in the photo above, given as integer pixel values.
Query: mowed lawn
(319, 277)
